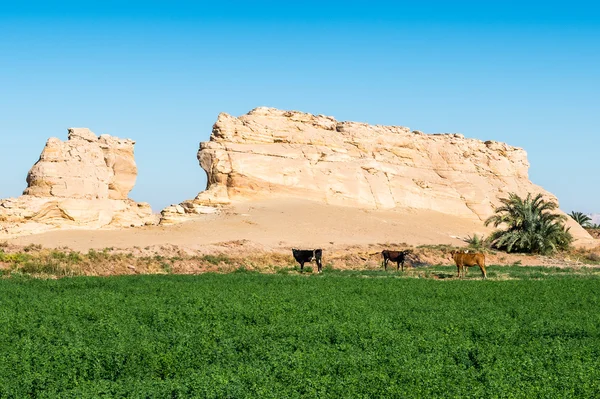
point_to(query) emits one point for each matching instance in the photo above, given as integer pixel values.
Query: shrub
(478, 243)
(593, 257)
(216, 259)
(166, 267)
(531, 227)
(32, 247)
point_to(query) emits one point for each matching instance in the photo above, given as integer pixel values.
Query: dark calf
(395, 256)
(307, 255)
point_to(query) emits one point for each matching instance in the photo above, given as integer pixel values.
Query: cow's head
(462, 251)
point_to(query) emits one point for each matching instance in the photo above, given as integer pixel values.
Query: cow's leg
(400, 262)
(458, 270)
(319, 265)
(483, 272)
(301, 267)
(385, 261)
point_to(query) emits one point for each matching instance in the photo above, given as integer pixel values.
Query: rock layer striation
(270, 153)
(83, 182)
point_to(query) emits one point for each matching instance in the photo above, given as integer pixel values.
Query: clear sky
(159, 72)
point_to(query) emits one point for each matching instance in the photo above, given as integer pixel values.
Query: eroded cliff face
(277, 153)
(79, 183)
(270, 153)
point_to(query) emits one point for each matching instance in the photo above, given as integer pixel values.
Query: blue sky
(526, 73)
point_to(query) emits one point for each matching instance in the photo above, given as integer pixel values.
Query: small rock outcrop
(270, 153)
(83, 182)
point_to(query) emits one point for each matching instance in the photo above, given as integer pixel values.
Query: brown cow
(395, 256)
(465, 259)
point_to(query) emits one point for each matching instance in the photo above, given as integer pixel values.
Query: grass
(55, 263)
(49, 263)
(216, 259)
(533, 333)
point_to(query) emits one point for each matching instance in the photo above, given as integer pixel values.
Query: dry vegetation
(241, 255)
(594, 232)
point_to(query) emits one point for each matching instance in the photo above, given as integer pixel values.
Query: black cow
(306, 255)
(395, 256)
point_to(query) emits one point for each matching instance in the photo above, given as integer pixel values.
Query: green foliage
(14, 258)
(166, 267)
(245, 270)
(216, 259)
(289, 336)
(55, 263)
(48, 267)
(328, 267)
(581, 218)
(530, 226)
(96, 256)
(477, 243)
(307, 268)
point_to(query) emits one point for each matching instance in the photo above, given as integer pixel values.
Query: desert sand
(277, 225)
(259, 233)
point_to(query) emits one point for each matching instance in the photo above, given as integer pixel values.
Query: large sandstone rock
(85, 166)
(80, 183)
(270, 153)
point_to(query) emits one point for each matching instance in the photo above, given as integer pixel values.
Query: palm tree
(530, 226)
(581, 218)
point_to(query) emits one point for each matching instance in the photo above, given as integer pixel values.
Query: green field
(524, 333)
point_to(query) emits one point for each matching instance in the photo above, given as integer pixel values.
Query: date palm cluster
(530, 225)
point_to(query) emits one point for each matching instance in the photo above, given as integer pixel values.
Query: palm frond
(530, 225)
(581, 218)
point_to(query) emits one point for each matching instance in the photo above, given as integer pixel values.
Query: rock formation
(80, 183)
(270, 153)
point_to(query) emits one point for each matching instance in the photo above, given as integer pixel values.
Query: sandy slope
(277, 225)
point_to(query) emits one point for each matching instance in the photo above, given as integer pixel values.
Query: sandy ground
(278, 225)
(262, 233)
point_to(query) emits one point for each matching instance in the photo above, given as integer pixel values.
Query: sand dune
(277, 225)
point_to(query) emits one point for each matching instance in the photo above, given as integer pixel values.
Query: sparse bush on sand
(477, 243)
